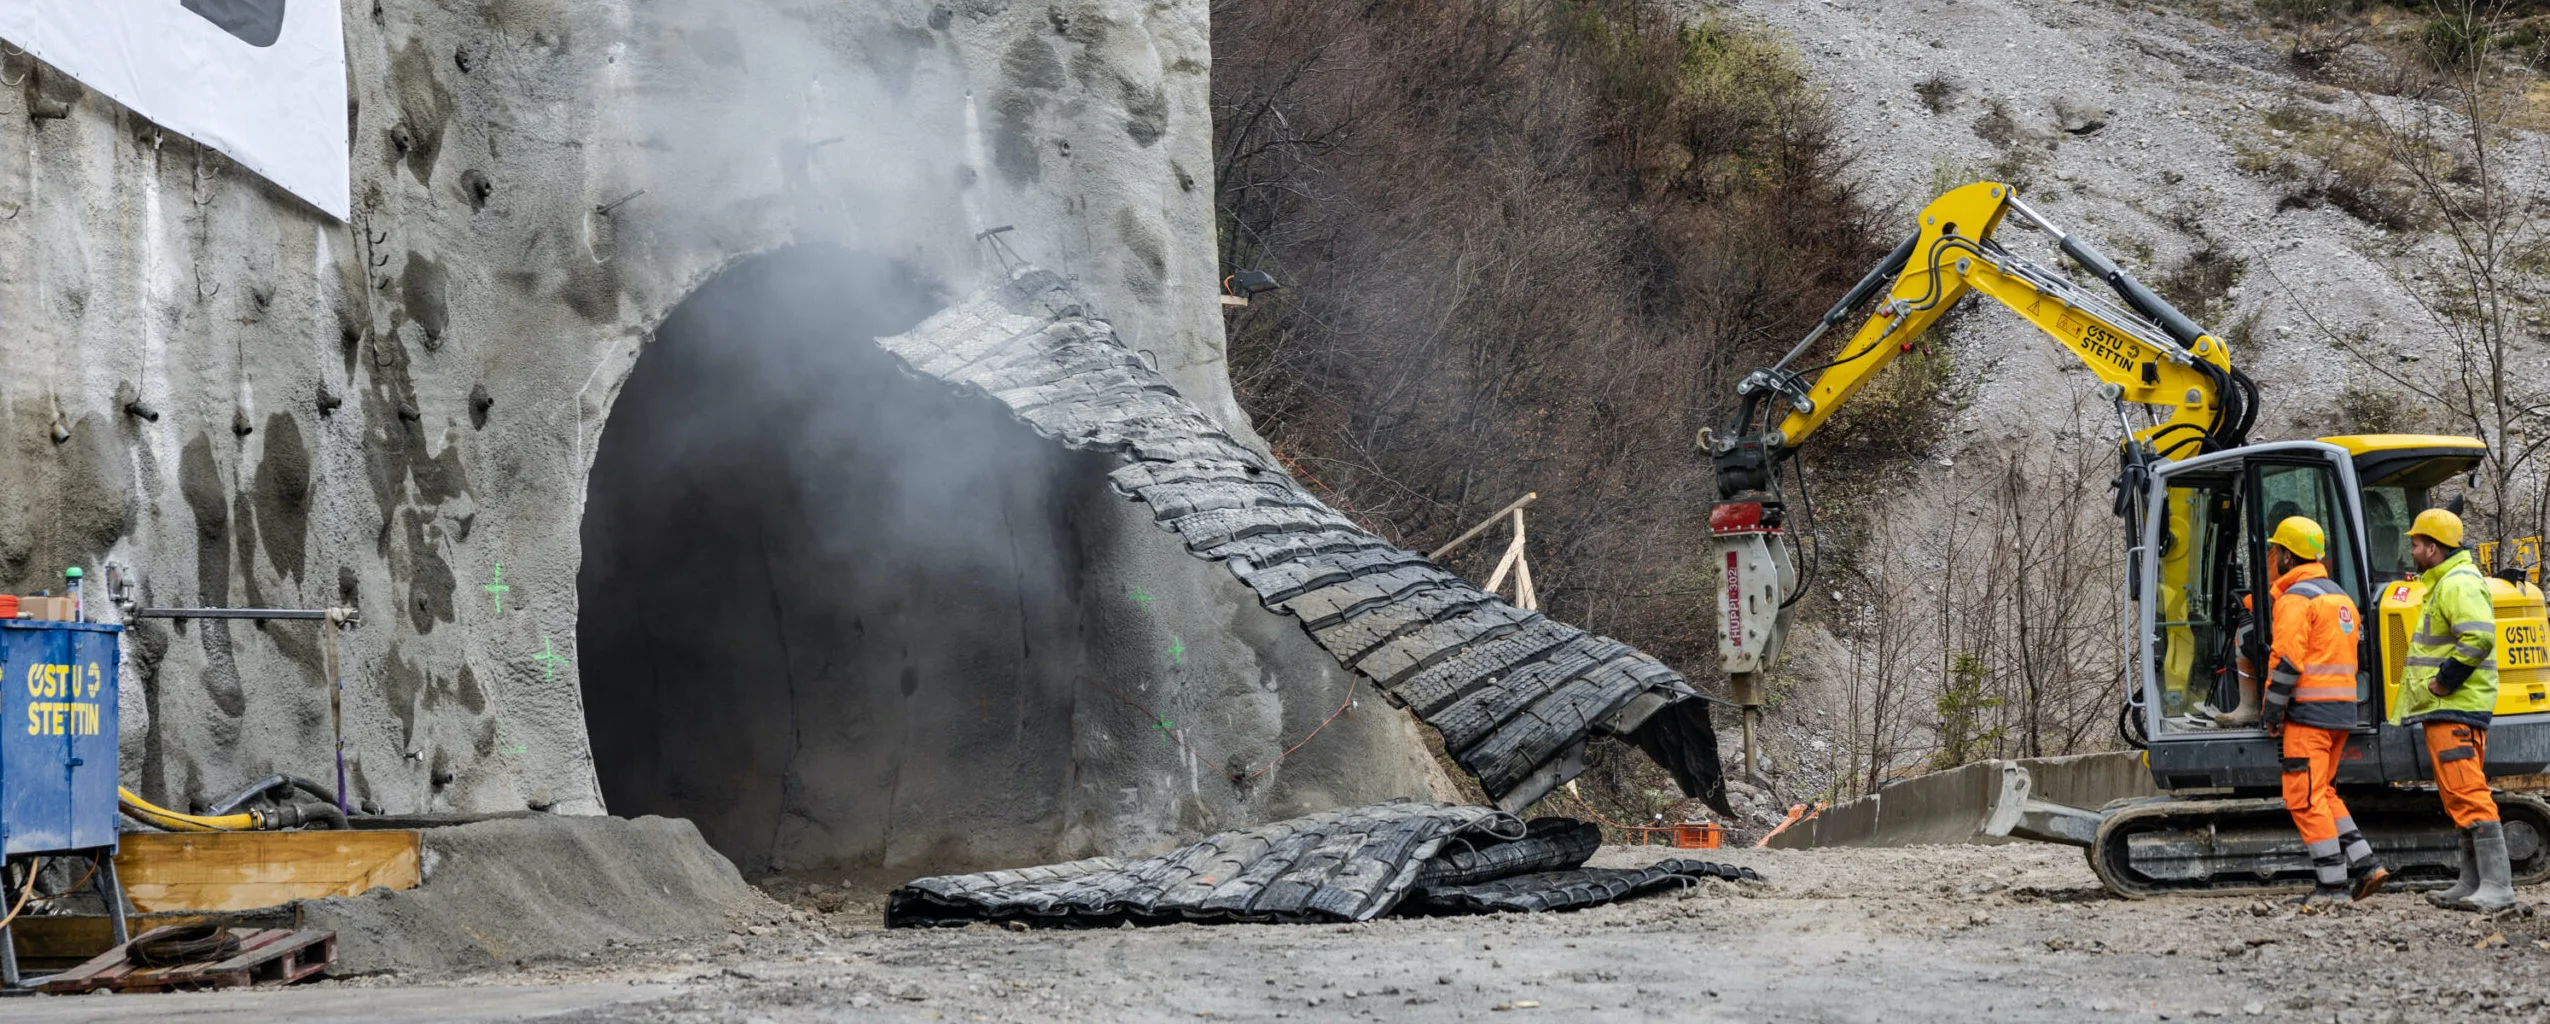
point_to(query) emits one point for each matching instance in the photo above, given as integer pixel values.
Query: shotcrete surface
(1949, 934)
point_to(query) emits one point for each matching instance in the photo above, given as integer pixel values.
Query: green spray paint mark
(1139, 597)
(1177, 649)
(498, 588)
(549, 660)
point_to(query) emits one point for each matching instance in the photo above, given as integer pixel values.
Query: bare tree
(2456, 149)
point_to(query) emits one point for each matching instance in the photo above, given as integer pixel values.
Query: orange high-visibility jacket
(2311, 649)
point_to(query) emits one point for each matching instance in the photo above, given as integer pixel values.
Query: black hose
(1805, 504)
(188, 944)
(268, 787)
(298, 815)
(251, 791)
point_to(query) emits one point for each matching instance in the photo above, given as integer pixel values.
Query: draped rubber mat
(1573, 889)
(1513, 693)
(1349, 865)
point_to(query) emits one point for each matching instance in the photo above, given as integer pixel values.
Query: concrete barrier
(1957, 805)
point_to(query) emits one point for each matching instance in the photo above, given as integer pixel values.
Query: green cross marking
(1163, 725)
(1140, 597)
(498, 588)
(547, 658)
(1177, 649)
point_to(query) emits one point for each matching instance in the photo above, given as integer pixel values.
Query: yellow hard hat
(2302, 537)
(2437, 525)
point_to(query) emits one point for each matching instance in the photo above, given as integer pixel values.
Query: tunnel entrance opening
(829, 609)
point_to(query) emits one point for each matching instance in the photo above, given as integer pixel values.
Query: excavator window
(2198, 600)
(2307, 490)
(2387, 512)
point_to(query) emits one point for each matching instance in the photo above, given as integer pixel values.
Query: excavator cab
(2223, 829)
(2211, 517)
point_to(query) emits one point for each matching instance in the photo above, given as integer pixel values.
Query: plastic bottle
(71, 585)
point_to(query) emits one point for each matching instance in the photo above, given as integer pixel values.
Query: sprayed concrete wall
(250, 404)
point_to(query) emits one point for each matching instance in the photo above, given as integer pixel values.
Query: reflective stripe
(2331, 875)
(2475, 626)
(2283, 677)
(2315, 588)
(2322, 848)
(2279, 698)
(2426, 639)
(2330, 669)
(2456, 754)
(2422, 661)
(2346, 824)
(2358, 851)
(2468, 653)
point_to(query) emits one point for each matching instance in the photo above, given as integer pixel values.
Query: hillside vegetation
(1528, 247)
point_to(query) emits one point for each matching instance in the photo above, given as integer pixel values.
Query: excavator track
(2169, 846)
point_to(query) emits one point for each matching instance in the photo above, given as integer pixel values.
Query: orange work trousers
(2310, 782)
(2461, 755)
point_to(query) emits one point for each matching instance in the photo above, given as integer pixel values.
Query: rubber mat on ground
(1349, 865)
(1573, 889)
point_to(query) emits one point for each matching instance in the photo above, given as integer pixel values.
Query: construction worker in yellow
(2310, 703)
(2449, 687)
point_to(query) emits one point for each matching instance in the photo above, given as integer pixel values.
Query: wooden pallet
(267, 956)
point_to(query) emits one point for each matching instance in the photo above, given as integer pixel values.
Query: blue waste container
(57, 736)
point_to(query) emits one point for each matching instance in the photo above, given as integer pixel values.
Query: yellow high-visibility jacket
(2459, 622)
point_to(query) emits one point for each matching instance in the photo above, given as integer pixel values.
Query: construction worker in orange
(2449, 686)
(2310, 703)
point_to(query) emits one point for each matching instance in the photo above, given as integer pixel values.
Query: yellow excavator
(2197, 502)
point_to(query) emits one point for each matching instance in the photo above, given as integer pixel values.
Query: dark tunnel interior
(828, 609)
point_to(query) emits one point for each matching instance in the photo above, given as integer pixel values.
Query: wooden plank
(250, 870)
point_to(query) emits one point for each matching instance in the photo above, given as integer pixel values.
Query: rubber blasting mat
(1514, 694)
(1350, 865)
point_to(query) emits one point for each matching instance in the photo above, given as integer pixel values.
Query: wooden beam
(1474, 531)
(247, 870)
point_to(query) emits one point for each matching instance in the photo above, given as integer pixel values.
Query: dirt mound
(515, 889)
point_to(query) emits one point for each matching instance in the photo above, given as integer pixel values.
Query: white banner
(260, 80)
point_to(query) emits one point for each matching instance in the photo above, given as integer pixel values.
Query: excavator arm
(2147, 352)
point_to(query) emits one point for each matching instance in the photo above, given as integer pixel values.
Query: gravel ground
(1923, 934)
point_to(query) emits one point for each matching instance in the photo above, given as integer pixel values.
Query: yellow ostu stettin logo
(71, 709)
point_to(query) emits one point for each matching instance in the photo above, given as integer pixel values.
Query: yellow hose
(175, 822)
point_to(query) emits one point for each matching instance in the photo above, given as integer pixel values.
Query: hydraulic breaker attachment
(1748, 549)
(1749, 552)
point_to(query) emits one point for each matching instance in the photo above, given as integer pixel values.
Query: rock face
(580, 411)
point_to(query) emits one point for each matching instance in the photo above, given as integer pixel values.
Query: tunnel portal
(829, 610)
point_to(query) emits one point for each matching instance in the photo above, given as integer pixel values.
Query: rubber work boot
(2250, 710)
(2322, 897)
(2496, 877)
(2365, 877)
(2455, 897)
